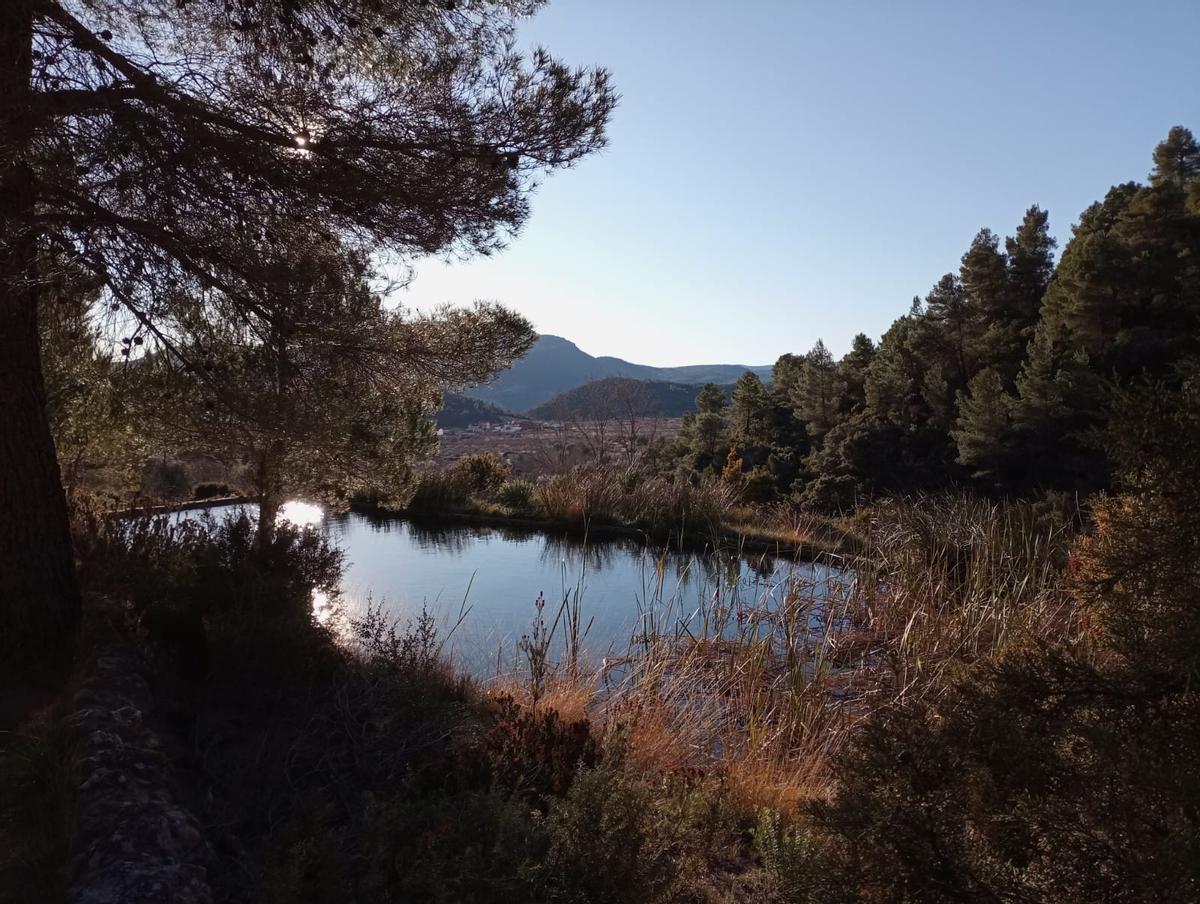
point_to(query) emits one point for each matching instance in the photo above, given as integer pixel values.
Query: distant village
(504, 427)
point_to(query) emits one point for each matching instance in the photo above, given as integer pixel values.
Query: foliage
(87, 391)
(791, 856)
(516, 495)
(1002, 378)
(608, 841)
(180, 152)
(211, 490)
(481, 473)
(328, 391)
(39, 777)
(1062, 767)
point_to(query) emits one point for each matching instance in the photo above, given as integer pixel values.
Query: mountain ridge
(556, 365)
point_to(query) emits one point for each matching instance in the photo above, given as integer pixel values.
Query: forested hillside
(1002, 378)
(555, 365)
(462, 411)
(614, 396)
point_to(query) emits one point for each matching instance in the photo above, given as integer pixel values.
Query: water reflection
(301, 514)
(626, 591)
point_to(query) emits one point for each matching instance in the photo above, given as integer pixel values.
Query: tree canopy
(171, 149)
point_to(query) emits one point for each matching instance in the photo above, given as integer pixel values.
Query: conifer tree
(852, 370)
(332, 392)
(154, 144)
(750, 414)
(817, 391)
(704, 436)
(984, 434)
(1123, 303)
(949, 331)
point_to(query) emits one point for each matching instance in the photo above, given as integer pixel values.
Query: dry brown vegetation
(761, 697)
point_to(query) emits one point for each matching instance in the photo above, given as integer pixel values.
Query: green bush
(608, 841)
(517, 495)
(792, 859)
(438, 491)
(166, 481)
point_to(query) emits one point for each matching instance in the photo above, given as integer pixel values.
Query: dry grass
(759, 696)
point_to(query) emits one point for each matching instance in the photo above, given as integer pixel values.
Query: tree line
(1002, 378)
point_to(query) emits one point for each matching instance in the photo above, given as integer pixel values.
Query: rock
(134, 843)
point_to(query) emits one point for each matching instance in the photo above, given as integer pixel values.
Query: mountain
(556, 365)
(616, 397)
(459, 411)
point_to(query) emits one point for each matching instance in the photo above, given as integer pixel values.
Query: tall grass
(660, 505)
(763, 693)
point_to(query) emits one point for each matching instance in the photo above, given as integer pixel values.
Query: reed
(761, 694)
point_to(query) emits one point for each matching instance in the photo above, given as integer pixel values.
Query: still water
(482, 581)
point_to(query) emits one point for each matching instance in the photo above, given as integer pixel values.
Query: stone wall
(134, 842)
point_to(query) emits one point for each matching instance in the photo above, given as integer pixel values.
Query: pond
(480, 583)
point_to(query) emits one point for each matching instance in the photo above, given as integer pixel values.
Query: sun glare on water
(301, 514)
(305, 514)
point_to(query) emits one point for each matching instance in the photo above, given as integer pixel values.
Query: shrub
(792, 858)
(534, 749)
(608, 841)
(517, 495)
(830, 494)
(211, 575)
(211, 490)
(759, 486)
(39, 776)
(481, 473)
(657, 504)
(437, 491)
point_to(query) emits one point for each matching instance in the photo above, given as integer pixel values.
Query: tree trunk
(39, 598)
(268, 510)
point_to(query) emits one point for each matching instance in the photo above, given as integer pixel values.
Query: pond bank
(731, 538)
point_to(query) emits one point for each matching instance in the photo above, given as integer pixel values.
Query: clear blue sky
(783, 171)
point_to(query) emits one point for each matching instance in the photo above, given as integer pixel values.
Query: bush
(517, 495)
(657, 504)
(438, 491)
(211, 574)
(211, 490)
(481, 473)
(39, 777)
(608, 841)
(792, 858)
(759, 486)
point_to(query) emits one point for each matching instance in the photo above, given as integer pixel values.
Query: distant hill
(555, 365)
(614, 397)
(458, 411)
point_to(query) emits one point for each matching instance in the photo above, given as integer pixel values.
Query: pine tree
(1122, 304)
(1030, 269)
(704, 436)
(984, 433)
(817, 391)
(852, 370)
(331, 392)
(949, 331)
(1176, 159)
(154, 144)
(750, 413)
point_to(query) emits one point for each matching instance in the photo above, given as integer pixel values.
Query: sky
(779, 172)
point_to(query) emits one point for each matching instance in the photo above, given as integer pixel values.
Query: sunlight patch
(301, 514)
